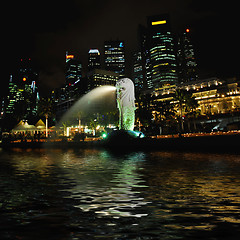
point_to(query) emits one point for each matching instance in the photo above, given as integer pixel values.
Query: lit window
(159, 22)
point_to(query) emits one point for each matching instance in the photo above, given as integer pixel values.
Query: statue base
(123, 138)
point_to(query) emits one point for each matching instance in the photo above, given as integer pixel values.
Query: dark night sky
(44, 30)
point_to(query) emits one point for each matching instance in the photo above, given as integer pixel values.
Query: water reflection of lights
(113, 194)
(28, 164)
(204, 196)
(93, 193)
(199, 134)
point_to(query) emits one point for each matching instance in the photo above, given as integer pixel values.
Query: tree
(191, 108)
(181, 97)
(191, 104)
(164, 110)
(65, 124)
(45, 108)
(80, 115)
(164, 113)
(144, 111)
(93, 123)
(106, 118)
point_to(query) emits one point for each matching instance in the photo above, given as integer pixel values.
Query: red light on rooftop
(187, 30)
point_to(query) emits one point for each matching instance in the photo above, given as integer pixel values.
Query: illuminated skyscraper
(13, 96)
(114, 56)
(93, 59)
(143, 37)
(187, 66)
(100, 77)
(73, 76)
(138, 72)
(22, 98)
(73, 69)
(161, 51)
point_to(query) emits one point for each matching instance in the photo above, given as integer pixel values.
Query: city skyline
(48, 40)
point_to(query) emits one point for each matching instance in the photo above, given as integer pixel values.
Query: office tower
(73, 69)
(27, 82)
(2, 108)
(22, 99)
(93, 59)
(138, 72)
(65, 96)
(146, 64)
(187, 66)
(161, 51)
(114, 56)
(73, 75)
(26, 72)
(13, 96)
(99, 77)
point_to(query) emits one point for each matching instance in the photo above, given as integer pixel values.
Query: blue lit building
(114, 56)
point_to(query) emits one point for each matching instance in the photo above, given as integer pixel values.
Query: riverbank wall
(215, 143)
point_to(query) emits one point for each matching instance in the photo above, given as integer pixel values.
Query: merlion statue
(126, 103)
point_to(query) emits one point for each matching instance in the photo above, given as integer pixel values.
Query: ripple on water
(92, 194)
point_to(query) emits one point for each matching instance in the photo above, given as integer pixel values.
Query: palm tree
(191, 106)
(80, 115)
(164, 110)
(108, 117)
(45, 108)
(93, 124)
(181, 97)
(144, 111)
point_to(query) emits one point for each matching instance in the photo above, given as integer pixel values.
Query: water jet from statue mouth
(97, 102)
(112, 88)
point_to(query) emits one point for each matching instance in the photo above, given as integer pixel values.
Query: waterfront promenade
(217, 142)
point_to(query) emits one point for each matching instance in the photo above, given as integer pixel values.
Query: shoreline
(214, 143)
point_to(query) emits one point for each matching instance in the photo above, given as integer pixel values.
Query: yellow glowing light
(159, 22)
(24, 79)
(70, 56)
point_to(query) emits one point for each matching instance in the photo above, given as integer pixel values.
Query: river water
(98, 194)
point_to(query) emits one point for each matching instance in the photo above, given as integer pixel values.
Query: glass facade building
(99, 77)
(73, 69)
(187, 66)
(93, 59)
(13, 96)
(114, 56)
(73, 76)
(161, 51)
(146, 64)
(138, 72)
(23, 96)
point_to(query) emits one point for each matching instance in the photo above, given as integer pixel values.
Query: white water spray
(98, 100)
